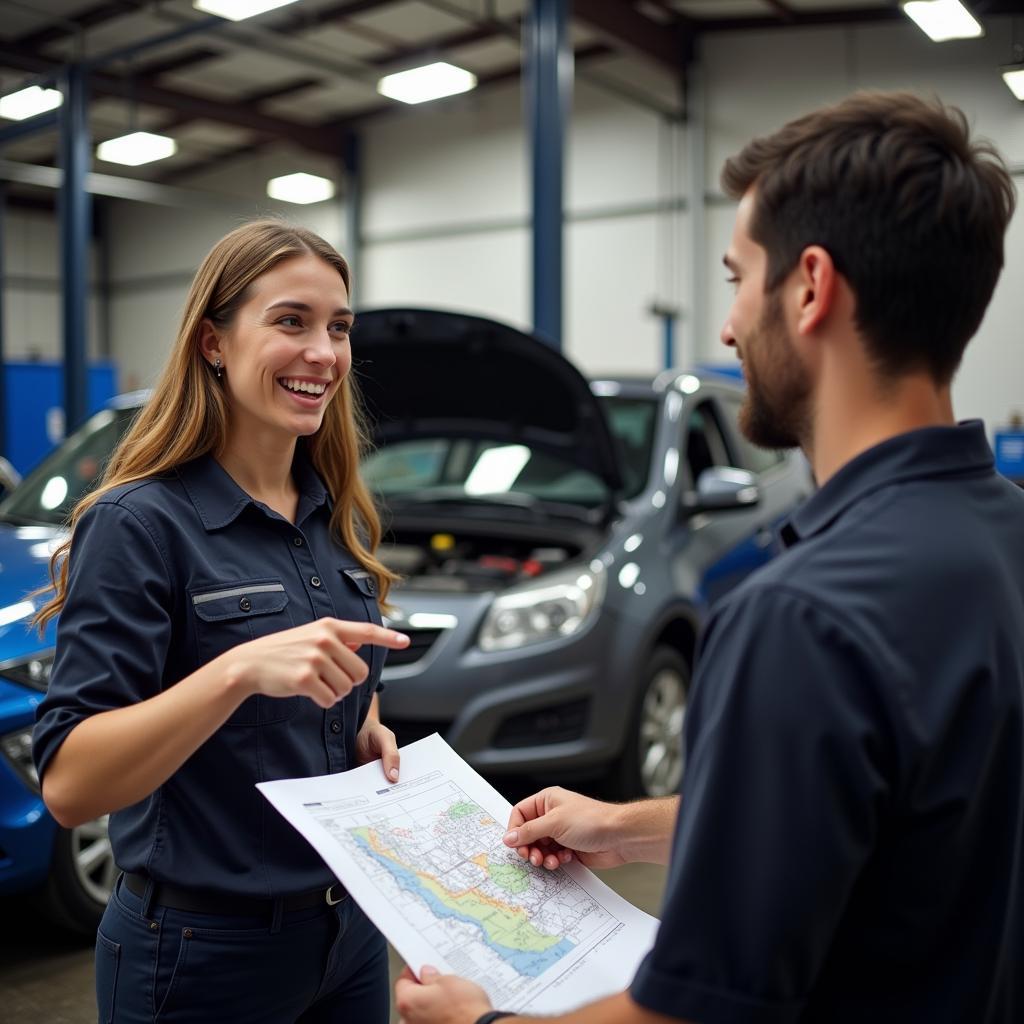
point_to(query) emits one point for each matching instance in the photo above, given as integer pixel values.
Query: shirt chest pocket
(235, 613)
(361, 600)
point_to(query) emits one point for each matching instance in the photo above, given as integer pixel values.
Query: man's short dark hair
(912, 212)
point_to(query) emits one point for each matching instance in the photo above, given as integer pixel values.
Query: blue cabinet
(33, 407)
(1009, 449)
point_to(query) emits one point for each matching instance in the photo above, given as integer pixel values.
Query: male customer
(849, 845)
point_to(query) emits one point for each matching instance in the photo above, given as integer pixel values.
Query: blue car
(559, 543)
(71, 870)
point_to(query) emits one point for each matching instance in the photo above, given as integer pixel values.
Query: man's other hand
(438, 998)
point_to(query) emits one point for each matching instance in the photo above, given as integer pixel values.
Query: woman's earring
(218, 368)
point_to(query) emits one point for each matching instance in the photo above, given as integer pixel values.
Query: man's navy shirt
(849, 843)
(165, 575)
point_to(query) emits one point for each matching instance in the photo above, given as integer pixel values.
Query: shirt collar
(219, 501)
(928, 452)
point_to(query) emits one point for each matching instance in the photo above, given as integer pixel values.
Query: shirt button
(297, 541)
(245, 604)
(335, 725)
(371, 586)
(315, 581)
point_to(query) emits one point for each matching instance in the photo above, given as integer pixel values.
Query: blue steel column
(21, 129)
(74, 241)
(3, 366)
(351, 156)
(668, 325)
(548, 95)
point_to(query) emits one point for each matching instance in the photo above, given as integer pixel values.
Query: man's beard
(776, 411)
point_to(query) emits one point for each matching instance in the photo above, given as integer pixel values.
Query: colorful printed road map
(425, 860)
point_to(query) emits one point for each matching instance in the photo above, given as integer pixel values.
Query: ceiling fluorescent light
(943, 19)
(238, 10)
(1013, 76)
(137, 148)
(427, 83)
(26, 103)
(300, 188)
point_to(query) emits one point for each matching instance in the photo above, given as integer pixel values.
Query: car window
(705, 442)
(749, 456)
(50, 492)
(632, 422)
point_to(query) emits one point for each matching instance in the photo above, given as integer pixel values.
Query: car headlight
(17, 748)
(34, 671)
(557, 605)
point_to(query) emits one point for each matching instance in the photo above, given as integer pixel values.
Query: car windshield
(462, 468)
(443, 468)
(51, 491)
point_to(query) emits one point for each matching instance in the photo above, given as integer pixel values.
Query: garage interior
(572, 190)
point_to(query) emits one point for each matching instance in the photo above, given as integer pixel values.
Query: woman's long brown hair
(187, 414)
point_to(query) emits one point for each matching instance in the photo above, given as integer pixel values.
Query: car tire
(652, 761)
(82, 875)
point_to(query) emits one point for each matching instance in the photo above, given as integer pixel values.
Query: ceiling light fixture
(941, 20)
(300, 188)
(1013, 76)
(430, 82)
(136, 148)
(26, 103)
(238, 10)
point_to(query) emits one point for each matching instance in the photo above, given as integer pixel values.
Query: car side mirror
(721, 489)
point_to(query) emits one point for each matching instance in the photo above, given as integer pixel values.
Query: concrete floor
(46, 976)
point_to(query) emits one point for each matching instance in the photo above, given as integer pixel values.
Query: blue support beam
(75, 211)
(668, 328)
(3, 367)
(20, 129)
(549, 71)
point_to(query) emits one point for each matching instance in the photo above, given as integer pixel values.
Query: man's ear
(816, 285)
(209, 340)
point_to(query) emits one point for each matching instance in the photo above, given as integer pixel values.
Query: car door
(722, 547)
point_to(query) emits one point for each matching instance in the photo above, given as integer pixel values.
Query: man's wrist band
(492, 1015)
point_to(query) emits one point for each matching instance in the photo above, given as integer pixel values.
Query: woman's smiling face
(287, 348)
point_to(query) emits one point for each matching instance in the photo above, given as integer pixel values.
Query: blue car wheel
(82, 875)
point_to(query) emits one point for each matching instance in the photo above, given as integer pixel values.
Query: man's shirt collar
(219, 501)
(928, 452)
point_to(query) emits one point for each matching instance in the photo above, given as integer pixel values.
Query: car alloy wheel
(651, 763)
(93, 859)
(82, 876)
(661, 733)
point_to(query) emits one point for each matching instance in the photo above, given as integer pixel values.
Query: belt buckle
(331, 902)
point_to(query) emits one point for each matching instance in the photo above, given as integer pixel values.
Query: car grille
(560, 724)
(421, 640)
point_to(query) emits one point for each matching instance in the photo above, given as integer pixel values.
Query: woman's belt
(201, 901)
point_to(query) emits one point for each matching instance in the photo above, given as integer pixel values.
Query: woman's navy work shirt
(164, 575)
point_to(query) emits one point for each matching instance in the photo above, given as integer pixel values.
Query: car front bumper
(555, 707)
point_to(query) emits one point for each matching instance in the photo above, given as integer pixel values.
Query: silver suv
(560, 543)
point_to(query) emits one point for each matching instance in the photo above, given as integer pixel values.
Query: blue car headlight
(33, 672)
(16, 748)
(555, 606)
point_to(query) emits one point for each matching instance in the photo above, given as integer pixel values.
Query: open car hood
(428, 373)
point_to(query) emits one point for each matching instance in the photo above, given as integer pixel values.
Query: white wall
(157, 249)
(446, 220)
(32, 289)
(757, 81)
(446, 204)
